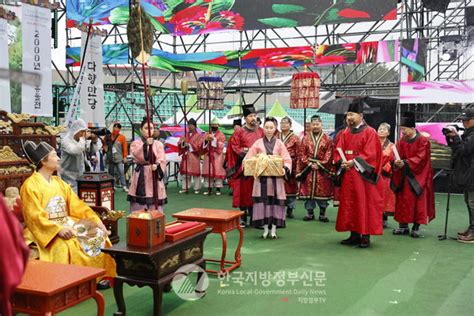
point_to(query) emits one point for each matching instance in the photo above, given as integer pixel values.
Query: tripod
(445, 236)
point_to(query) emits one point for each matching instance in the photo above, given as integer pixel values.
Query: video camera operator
(462, 161)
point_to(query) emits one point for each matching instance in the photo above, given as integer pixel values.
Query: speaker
(436, 5)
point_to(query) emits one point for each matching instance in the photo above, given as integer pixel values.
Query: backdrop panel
(456, 91)
(185, 17)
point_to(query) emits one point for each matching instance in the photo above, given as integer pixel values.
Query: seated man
(62, 226)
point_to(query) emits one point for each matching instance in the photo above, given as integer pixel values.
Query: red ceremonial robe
(387, 193)
(292, 144)
(413, 184)
(230, 160)
(242, 139)
(13, 256)
(316, 184)
(360, 206)
(191, 157)
(337, 190)
(217, 157)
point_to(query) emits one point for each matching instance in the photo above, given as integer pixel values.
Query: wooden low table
(48, 288)
(221, 222)
(154, 267)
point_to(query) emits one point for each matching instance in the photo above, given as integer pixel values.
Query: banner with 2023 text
(92, 90)
(36, 29)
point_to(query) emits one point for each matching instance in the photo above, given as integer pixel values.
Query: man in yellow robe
(64, 228)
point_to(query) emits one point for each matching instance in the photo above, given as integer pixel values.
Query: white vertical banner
(36, 30)
(5, 103)
(92, 90)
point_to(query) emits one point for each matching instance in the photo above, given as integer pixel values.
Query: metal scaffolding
(254, 85)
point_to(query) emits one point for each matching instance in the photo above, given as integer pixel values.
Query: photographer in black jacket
(462, 160)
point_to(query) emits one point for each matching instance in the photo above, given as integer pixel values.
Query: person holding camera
(73, 148)
(462, 162)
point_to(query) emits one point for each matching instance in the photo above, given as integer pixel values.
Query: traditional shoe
(125, 189)
(401, 231)
(218, 192)
(264, 236)
(196, 192)
(103, 285)
(183, 191)
(364, 241)
(323, 219)
(463, 233)
(467, 239)
(351, 241)
(415, 233)
(206, 193)
(275, 237)
(243, 224)
(308, 218)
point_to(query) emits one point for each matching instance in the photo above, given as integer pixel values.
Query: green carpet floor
(396, 276)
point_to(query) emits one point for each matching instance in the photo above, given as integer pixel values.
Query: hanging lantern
(210, 93)
(305, 90)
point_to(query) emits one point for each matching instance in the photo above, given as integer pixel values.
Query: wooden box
(145, 229)
(264, 165)
(174, 236)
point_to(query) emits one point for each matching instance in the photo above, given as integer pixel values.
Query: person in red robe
(412, 180)
(190, 152)
(337, 132)
(213, 169)
(292, 144)
(315, 170)
(359, 154)
(230, 157)
(387, 157)
(240, 142)
(13, 258)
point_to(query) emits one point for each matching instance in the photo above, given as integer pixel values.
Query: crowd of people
(359, 168)
(366, 176)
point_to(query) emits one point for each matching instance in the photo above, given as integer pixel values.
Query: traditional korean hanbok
(48, 207)
(268, 193)
(140, 194)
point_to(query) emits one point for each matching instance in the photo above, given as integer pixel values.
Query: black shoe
(415, 233)
(167, 288)
(385, 225)
(401, 231)
(353, 240)
(365, 241)
(308, 218)
(323, 218)
(289, 213)
(103, 285)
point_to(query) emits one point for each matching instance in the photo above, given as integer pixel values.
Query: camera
(446, 130)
